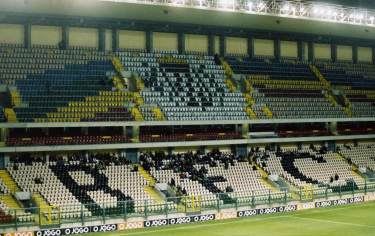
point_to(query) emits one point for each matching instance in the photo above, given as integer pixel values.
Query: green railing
(55, 216)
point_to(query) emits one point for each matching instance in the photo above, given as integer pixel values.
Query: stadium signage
(27, 233)
(266, 211)
(339, 202)
(130, 225)
(77, 230)
(179, 220)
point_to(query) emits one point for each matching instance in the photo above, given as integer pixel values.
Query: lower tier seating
(94, 183)
(4, 216)
(213, 176)
(362, 155)
(309, 166)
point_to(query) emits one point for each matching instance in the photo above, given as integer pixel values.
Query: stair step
(8, 181)
(151, 181)
(10, 202)
(154, 194)
(40, 201)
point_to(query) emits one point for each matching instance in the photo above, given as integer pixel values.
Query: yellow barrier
(267, 111)
(10, 115)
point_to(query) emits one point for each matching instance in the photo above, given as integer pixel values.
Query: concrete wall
(289, 49)
(344, 53)
(236, 45)
(322, 51)
(132, 39)
(364, 54)
(84, 37)
(196, 43)
(46, 35)
(11, 33)
(263, 47)
(165, 41)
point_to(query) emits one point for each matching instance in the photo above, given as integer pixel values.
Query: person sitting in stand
(336, 177)
(173, 182)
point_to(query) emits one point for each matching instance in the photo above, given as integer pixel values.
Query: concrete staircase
(10, 202)
(151, 183)
(10, 114)
(8, 181)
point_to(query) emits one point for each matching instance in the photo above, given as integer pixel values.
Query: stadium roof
(272, 15)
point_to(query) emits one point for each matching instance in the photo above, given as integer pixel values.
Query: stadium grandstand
(120, 115)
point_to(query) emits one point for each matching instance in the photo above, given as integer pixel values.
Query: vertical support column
(250, 46)
(202, 149)
(332, 127)
(135, 132)
(2, 135)
(27, 35)
(333, 52)
(149, 41)
(85, 130)
(170, 150)
(181, 42)
(65, 37)
(241, 150)
(2, 161)
(301, 50)
(132, 155)
(6, 159)
(101, 39)
(223, 45)
(311, 55)
(211, 44)
(373, 55)
(115, 40)
(355, 54)
(277, 49)
(245, 130)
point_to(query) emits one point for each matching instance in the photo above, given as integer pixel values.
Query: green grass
(350, 220)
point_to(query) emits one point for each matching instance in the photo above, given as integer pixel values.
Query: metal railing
(57, 215)
(292, 9)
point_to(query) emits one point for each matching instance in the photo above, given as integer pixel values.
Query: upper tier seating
(63, 85)
(310, 166)
(2, 115)
(357, 81)
(288, 88)
(185, 87)
(362, 155)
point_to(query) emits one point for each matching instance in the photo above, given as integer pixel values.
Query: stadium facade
(128, 114)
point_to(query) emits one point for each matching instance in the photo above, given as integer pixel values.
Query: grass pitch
(356, 220)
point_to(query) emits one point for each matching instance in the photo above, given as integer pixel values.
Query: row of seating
(357, 81)
(73, 140)
(362, 155)
(2, 115)
(317, 168)
(185, 87)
